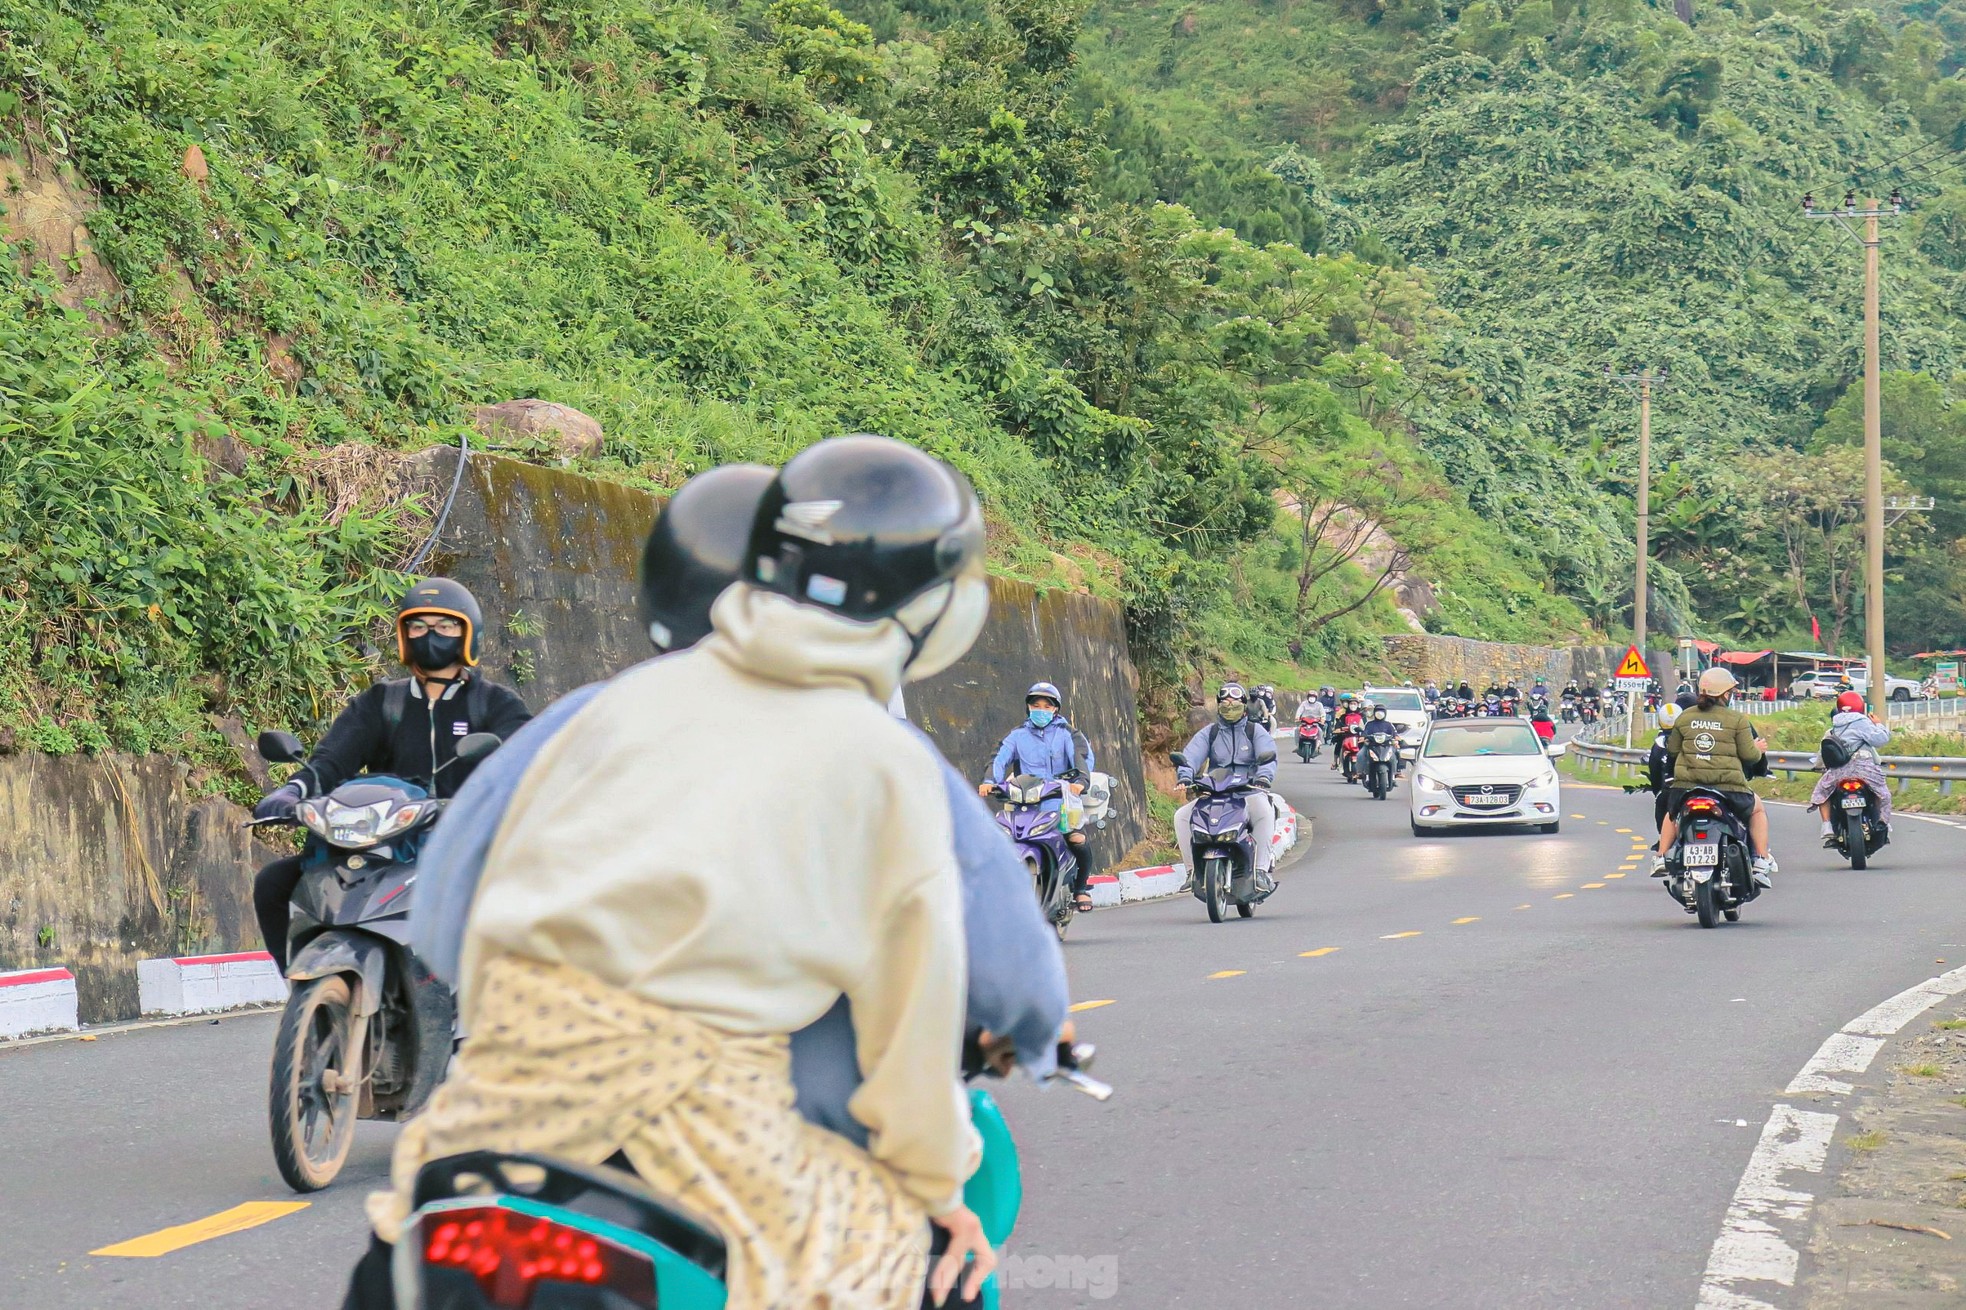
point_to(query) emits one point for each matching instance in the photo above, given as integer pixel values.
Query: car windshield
(1397, 700)
(1462, 740)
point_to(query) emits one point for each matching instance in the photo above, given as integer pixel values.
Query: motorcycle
(1569, 710)
(1224, 857)
(492, 1230)
(1308, 732)
(1858, 830)
(1707, 869)
(1347, 747)
(367, 1030)
(1040, 842)
(1587, 711)
(1538, 705)
(1381, 764)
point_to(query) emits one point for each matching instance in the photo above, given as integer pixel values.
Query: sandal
(1081, 902)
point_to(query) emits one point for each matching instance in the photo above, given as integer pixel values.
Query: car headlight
(1427, 782)
(1547, 778)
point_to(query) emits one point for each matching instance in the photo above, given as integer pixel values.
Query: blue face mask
(1042, 718)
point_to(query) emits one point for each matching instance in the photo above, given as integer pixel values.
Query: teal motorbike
(492, 1230)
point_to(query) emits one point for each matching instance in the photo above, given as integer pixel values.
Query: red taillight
(1851, 784)
(509, 1253)
(1703, 806)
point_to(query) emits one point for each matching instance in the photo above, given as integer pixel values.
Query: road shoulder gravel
(1890, 1233)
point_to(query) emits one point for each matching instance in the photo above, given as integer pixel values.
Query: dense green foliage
(1594, 183)
(724, 232)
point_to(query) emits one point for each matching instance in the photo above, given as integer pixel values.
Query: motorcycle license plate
(1701, 856)
(1854, 802)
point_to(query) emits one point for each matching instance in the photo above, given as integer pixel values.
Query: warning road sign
(1633, 665)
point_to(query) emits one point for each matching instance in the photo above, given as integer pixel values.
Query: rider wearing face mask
(1046, 745)
(1232, 740)
(409, 727)
(637, 961)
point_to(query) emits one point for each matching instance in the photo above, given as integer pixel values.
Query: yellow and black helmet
(440, 596)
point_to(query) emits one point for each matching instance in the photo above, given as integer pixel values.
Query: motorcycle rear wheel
(1706, 901)
(315, 1082)
(1854, 844)
(1215, 888)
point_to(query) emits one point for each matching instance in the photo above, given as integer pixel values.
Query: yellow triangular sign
(1633, 665)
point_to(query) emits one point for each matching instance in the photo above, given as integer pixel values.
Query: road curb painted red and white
(207, 984)
(36, 1001)
(1162, 880)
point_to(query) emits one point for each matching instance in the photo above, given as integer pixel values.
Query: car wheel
(1548, 829)
(1418, 831)
(1901, 695)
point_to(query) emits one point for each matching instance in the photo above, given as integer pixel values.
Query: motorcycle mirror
(1178, 760)
(276, 747)
(478, 745)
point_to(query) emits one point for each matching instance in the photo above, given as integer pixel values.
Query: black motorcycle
(367, 1032)
(1708, 867)
(1857, 827)
(1381, 764)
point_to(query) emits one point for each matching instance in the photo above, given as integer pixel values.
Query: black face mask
(433, 650)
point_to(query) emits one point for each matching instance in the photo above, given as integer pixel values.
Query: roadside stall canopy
(1742, 658)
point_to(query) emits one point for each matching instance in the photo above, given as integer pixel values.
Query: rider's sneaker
(1658, 866)
(1829, 841)
(1763, 870)
(1265, 884)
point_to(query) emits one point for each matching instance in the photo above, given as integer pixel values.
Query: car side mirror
(276, 747)
(1556, 749)
(478, 745)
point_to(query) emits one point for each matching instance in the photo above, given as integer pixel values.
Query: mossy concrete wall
(108, 860)
(554, 556)
(1451, 659)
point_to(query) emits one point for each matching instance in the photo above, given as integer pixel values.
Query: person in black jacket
(409, 727)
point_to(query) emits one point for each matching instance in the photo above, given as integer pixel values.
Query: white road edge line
(1754, 1245)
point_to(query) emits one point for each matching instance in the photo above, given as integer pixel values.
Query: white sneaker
(1763, 870)
(1658, 866)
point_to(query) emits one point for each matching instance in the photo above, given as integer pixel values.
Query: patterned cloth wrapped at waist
(562, 1064)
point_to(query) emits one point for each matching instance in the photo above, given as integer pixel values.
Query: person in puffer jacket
(1861, 735)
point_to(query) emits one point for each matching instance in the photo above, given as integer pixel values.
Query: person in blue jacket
(1046, 745)
(1017, 988)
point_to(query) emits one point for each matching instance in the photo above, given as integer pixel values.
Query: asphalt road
(1477, 1070)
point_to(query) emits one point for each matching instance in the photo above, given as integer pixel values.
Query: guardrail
(1903, 769)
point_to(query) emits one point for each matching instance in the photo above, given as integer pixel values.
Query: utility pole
(1868, 237)
(1644, 380)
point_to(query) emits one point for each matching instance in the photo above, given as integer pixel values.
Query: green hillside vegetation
(333, 226)
(1594, 182)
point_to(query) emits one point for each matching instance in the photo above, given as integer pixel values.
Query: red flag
(1815, 631)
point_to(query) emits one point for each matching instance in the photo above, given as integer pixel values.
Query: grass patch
(1923, 1071)
(1950, 1025)
(1866, 1141)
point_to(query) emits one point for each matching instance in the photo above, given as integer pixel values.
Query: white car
(1828, 682)
(1406, 708)
(1484, 771)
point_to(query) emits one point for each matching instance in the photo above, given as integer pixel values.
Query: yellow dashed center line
(236, 1220)
(1229, 973)
(1522, 907)
(1579, 816)
(1472, 918)
(1395, 936)
(1088, 1005)
(1563, 896)
(1312, 955)
(1614, 875)
(1592, 886)
(1626, 831)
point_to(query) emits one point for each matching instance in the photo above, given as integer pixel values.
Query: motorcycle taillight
(511, 1254)
(1851, 784)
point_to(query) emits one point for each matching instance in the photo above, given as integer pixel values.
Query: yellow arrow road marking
(1395, 936)
(236, 1220)
(1087, 1005)
(1312, 955)
(1229, 973)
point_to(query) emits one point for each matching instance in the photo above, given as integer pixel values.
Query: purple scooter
(1224, 868)
(1040, 842)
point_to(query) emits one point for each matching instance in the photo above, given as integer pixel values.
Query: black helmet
(696, 549)
(869, 528)
(440, 596)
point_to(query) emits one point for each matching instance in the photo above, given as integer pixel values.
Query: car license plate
(1479, 799)
(1701, 855)
(1854, 802)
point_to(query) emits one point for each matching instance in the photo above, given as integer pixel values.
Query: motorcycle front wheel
(1855, 846)
(315, 1081)
(1215, 888)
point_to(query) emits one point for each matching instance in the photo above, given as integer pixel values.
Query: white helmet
(1668, 715)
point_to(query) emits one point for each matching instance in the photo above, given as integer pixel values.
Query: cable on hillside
(450, 498)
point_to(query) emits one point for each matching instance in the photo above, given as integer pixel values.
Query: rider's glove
(279, 803)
